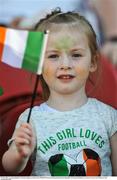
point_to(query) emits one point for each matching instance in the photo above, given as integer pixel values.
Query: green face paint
(64, 43)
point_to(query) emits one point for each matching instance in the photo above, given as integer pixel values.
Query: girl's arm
(113, 142)
(15, 159)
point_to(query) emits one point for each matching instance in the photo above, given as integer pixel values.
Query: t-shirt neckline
(50, 109)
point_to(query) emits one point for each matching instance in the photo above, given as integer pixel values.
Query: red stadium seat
(105, 89)
(17, 88)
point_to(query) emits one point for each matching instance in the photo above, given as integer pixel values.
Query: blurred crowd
(102, 15)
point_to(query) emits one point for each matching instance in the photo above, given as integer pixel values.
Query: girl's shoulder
(107, 114)
(38, 109)
(24, 115)
(101, 106)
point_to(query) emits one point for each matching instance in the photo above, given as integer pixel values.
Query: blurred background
(10, 9)
(25, 13)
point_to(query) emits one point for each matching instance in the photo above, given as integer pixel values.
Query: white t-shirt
(73, 143)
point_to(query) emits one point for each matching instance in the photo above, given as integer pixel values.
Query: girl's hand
(25, 140)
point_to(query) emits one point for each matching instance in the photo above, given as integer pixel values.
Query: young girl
(69, 134)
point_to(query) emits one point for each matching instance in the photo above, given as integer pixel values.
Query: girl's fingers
(26, 125)
(26, 131)
(21, 141)
(24, 135)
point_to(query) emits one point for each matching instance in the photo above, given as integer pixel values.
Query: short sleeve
(22, 118)
(113, 129)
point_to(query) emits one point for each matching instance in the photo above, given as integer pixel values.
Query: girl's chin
(66, 91)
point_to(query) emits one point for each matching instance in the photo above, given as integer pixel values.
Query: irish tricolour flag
(23, 49)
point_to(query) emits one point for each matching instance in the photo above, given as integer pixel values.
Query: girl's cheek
(48, 72)
(82, 72)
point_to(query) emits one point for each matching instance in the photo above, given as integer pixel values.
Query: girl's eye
(76, 55)
(53, 56)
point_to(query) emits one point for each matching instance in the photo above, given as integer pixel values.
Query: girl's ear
(93, 66)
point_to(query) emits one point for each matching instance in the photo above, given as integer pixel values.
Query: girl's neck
(67, 102)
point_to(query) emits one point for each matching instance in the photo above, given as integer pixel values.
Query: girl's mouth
(65, 77)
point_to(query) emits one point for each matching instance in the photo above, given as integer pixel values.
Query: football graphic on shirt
(87, 163)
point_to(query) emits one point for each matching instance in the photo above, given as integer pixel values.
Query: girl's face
(67, 61)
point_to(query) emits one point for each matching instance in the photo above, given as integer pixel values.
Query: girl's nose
(65, 63)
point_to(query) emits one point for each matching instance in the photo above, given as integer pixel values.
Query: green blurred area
(1, 91)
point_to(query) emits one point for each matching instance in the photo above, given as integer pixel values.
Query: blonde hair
(72, 20)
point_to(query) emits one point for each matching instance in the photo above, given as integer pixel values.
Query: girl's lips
(65, 76)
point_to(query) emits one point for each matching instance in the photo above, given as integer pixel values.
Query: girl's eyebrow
(52, 51)
(56, 51)
(72, 50)
(78, 49)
